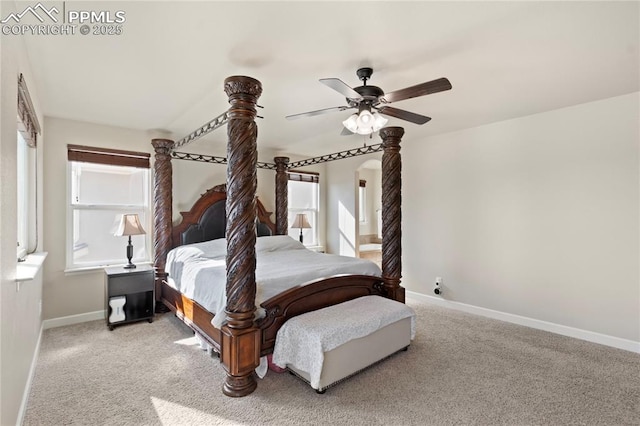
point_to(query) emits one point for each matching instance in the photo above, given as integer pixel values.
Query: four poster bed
(227, 223)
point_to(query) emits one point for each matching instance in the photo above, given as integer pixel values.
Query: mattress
(199, 271)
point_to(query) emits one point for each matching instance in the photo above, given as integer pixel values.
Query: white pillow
(277, 242)
(212, 249)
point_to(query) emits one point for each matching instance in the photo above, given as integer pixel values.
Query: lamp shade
(379, 122)
(301, 221)
(351, 123)
(129, 225)
(365, 119)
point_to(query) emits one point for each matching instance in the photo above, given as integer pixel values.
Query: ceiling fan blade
(316, 112)
(341, 87)
(427, 88)
(404, 115)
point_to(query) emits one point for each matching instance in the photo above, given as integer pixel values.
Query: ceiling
(166, 70)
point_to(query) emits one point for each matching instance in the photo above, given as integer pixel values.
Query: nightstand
(129, 295)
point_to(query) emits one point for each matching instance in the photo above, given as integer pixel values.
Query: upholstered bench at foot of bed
(345, 339)
(359, 354)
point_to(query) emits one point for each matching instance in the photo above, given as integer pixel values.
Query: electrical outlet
(438, 290)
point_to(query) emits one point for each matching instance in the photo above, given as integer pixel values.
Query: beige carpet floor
(461, 369)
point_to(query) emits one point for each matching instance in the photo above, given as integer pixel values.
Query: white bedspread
(199, 272)
(303, 340)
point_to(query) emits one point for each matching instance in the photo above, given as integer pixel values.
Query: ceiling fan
(371, 101)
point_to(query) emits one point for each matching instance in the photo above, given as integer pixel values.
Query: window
(304, 197)
(26, 185)
(362, 201)
(103, 185)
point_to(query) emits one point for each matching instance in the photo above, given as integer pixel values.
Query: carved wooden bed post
(392, 212)
(162, 208)
(240, 348)
(282, 195)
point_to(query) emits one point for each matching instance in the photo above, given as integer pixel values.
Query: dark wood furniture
(242, 340)
(136, 286)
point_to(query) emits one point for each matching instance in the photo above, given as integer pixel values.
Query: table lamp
(129, 225)
(301, 222)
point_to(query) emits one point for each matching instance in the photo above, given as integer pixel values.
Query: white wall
(21, 321)
(536, 216)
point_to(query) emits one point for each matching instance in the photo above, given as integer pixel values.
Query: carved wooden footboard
(310, 297)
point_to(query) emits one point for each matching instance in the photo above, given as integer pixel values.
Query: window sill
(27, 270)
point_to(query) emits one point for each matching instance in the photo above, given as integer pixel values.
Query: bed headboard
(207, 219)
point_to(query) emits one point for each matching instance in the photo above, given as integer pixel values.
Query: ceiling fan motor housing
(370, 95)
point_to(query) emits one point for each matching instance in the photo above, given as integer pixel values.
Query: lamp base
(129, 255)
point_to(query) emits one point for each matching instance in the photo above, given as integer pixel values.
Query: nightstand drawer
(133, 283)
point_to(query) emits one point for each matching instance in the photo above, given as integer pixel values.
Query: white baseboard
(590, 336)
(73, 319)
(32, 372)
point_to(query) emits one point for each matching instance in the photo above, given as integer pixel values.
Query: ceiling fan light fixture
(365, 119)
(379, 122)
(351, 123)
(364, 123)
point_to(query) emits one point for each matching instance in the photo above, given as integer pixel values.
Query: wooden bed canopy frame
(243, 340)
